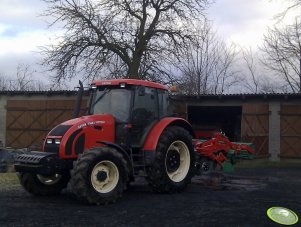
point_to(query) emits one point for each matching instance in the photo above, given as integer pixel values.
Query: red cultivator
(220, 149)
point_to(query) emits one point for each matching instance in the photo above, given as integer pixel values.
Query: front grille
(52, 148)
(34, 158)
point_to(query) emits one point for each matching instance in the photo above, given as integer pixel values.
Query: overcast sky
(22, 30)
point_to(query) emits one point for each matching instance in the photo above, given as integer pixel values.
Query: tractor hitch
(37, 162)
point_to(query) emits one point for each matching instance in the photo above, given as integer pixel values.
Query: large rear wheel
(99, 176)
(173, 166)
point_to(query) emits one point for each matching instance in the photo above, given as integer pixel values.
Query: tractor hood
(89, 120)
(74, 136)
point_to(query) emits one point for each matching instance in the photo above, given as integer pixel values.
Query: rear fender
(152, 138)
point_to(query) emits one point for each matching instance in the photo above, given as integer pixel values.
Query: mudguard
(152, 138)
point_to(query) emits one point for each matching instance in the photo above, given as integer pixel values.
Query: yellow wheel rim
(183, 166)
(110, 181)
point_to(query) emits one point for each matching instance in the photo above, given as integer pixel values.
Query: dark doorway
(216, 118)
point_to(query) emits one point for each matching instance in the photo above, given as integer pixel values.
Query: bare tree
(3, 83)
(119, 38)
(295, 5)
(255, 78)
(24, 77)
(252, 72)
(282, 49)
(21, 81)
(206, 64)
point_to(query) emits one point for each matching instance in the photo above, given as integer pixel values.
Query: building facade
(271, 121)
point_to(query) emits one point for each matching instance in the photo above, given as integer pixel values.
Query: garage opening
(206, 120)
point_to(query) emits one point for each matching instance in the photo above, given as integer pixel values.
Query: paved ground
(239, 199)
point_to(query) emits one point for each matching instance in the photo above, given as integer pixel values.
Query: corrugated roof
(241, 96)
(48, 93)
(206, 96)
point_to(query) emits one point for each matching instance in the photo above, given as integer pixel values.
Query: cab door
(145, 113)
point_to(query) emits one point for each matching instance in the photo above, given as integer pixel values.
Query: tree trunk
(133, 70)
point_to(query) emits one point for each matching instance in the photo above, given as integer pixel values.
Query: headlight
(57, 141)
(49, 141)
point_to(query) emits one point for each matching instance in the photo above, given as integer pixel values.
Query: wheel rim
(177, 161)
(104, 176)
(49, 180)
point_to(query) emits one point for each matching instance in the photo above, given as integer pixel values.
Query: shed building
(271, 121)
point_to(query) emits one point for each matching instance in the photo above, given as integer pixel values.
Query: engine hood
(79, 134)
(90, 120)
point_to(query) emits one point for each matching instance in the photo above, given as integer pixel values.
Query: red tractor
(127, 132)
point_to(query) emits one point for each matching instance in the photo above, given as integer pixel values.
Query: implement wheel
(43, 185)
(173, 166)
(99, 176)
(207, 166)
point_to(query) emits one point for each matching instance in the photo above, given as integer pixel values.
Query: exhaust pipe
(78, 100)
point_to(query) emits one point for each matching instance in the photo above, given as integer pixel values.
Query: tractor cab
(135, 106)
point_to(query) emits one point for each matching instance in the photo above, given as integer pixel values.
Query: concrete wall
(274, 131)
(3, 100)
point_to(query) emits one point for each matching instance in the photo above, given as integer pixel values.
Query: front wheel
(44, 185)
(99, 176)
(173, 166)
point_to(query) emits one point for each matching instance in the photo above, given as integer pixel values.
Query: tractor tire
(41, 185)
(174, 163)
(99, 176)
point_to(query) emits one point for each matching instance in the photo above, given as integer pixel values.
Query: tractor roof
(130, 82)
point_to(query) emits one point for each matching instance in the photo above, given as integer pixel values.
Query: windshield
(114, 101)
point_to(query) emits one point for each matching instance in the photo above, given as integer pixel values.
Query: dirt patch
(238, 199)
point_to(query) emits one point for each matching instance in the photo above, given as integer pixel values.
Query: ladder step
(138, 165)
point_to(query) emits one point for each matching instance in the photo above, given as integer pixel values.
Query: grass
(8, 179)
